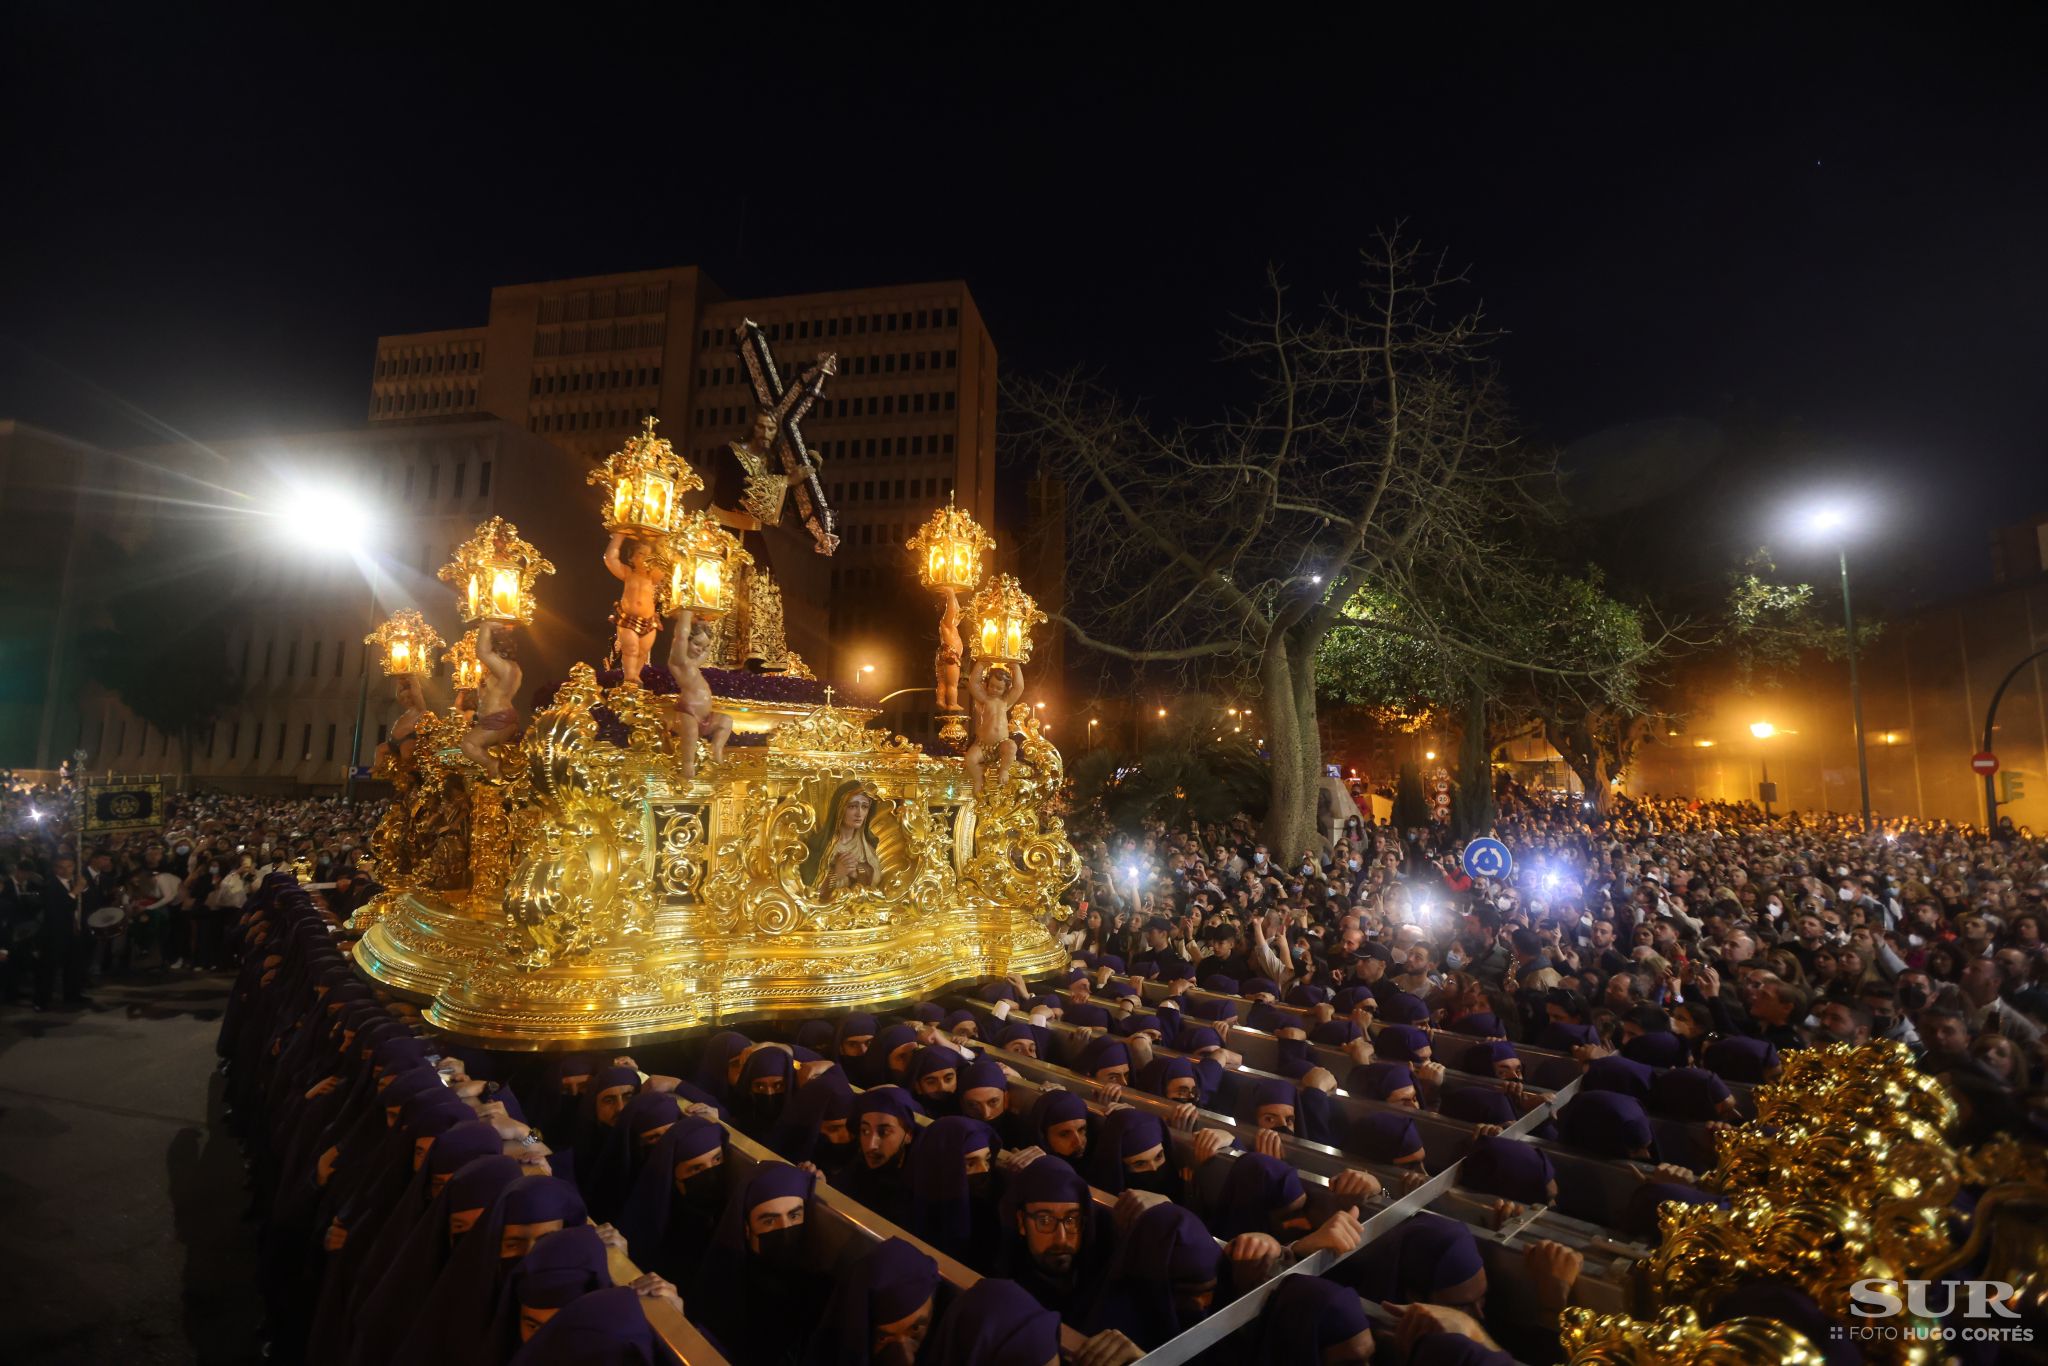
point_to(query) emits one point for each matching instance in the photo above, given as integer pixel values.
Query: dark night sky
(1830, 223)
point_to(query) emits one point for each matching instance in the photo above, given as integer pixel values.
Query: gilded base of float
(455, 969)
(595, 895)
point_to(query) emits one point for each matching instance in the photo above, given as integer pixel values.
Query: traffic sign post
(1984, 765)
(1488, 858)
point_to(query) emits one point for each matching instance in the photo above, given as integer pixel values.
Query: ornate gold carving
(594, 893)
(490, 845)
(405, 644)
(681, 852)
(492, 574)
(1844, 1175)
(1677, 1339)
(835, 730)
(764, 622)
(645, 481)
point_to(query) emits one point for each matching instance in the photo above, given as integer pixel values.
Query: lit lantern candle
(493, 572)
(646, 479)
(505, 594)
(704, 565)
(466, 672)
(405, 644)
(1003, 615)
(951, 549)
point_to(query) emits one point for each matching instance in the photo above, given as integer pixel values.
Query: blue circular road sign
(1488, 858)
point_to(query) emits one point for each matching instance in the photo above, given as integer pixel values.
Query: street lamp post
(355, 744)
(1855, 686)
(1832, 523)
(1764, 730)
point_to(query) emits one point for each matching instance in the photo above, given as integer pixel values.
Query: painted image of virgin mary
(845, 854)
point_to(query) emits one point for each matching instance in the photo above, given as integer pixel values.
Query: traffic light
(2012, 787)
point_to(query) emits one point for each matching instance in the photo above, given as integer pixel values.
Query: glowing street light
(1832, 522)
(1162, 713)
(1829, 519)
(348, 526)
(1765, 789)
(1429, 754)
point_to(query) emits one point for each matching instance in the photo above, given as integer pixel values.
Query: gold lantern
(646, 480)
(1003, 615)
(405, 644)
(704, 567)
(466, 670)
(950, 550)
(493, 573)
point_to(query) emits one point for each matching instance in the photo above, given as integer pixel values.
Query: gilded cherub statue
(946, 666)
(995, 688)
(638, 569)
(497, 713)
(692, 718)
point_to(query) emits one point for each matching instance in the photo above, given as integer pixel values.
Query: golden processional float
(655, 852)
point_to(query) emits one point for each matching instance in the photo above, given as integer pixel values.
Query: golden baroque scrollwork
(1845, 1175)
(681, 839)
(1020, 842)
(1676, 1338)
(637, 901)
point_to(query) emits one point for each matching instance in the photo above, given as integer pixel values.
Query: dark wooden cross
(787, 404)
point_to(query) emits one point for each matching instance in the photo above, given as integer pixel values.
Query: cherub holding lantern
(497, 716)
(995, 686)
(635, 565)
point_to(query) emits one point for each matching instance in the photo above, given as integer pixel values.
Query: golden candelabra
(464, 670)
(1004, 615)
(492, 574)
(592, 892)
(950, 549)
(645, 481)
(704, 567)
(405, 645)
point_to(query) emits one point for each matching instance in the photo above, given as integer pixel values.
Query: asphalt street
(121, 1196)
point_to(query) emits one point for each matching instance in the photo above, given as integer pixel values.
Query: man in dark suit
(21, 915)
(65, 944)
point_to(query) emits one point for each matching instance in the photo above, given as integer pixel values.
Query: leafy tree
(1187, 771)
(1600, 652)
(163, 647)
(1375, 452)
(1769, 627)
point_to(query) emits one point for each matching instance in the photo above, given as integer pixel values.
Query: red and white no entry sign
(1984, 764)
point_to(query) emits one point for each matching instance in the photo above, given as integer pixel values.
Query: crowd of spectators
(158, 898)
(1666, 953)
(1685, 921)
